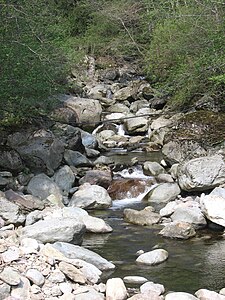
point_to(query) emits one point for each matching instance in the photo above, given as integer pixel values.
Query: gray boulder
(147, 216)
(77, 252)
(163, 193)
(91, 196)
(202, 173)
(153, 168)
(138, 124)
(178, 230)
(180, 296)
(44, 187)
(76, 159)
(97, 177)
(10, 160)
(54, 230)
(64, 178)
(153, 257)
(192, 215)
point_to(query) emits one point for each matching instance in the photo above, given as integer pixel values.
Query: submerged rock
(147, 216)
(178, 230)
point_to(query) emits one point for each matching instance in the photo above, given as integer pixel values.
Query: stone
(115, 289)
(204, 294)
(152, 168)
(77, 252)
(161, 122)
(10, 160)
(91, 272)
(124, 94)
(76, 159)
(163, 193)
(10, 276)
(192, 215)
(72, 272)
(35, 277)
(22, 290)
(40, 150)
(134, 279)
(154, 257)
(151, 286)
(12, 254)
(29, 245)
(97, 177)
(152, 295)
(147, 216)
(4, 291)
(65, 287)
(137, 124)
(91, 196)
(181, 296)
(201, 173)
(56, 229)
(91, 294)
(42, 186)
(64, 178)
(178, 230)
(10, 212)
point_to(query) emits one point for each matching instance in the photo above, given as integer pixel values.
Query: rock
(139, 104)
(56, 229)
(76, 159)
(5, 178)
(11, 254)
(161, 122)
(64, 178)
(137, 124)
(42, 186)
(163, 193)
(10, 160)
(115, 289)
(152, 287)
(29, 245)
(192, 215)
(213, 207)
(151, 295)
(88, 110)
(91, 272)
(103, 160)
(4, 291)
(134, 279)
(204, 294)
(97, 92)
(202, 173)
(91, 196)
(153, 257)
(118, 108)
(176, 151)
(178, 230)
(72, 272)
(180, 296)
(124, 94)
(35, 277)
(40, 150)
(147, 216)
(22, 290)
(10, 212)
(90, 294)
(151, 168)
(77, 252)
(96, 225)
(97, 177)
(164, 178)
(10, 276)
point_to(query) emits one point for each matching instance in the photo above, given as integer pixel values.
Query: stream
(192, 264)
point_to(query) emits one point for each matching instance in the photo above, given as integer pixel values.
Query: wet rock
(153, 257)
(202, 173)
(115, 289)
(91, 196)
(163, 193)
(147, 216)
(42, 186)
(178, 230)
(76, 159)
(64, 178)
(180, 296)
(77, 252)
(56, 229)
(97, 177)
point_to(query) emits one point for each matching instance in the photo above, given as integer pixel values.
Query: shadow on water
(192, 264)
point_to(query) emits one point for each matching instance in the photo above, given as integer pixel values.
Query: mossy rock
(205, 127)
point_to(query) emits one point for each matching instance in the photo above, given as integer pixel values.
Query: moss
(205, 127)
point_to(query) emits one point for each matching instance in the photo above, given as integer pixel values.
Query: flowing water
(192, 264)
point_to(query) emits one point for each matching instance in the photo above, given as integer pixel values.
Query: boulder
(123, 94)
(201, 173)
(10, 212)
(147, 216)
(204, 294)
(161, 122)
(152, 168)
(163, 193)
(10, 160)
(134, 279)
(43, 187)
(40, 150)
(76, 159)
(77, 252)
(152, 287)
(115, 289)
(64, 178)
(118, 108)
(178, 230)
(97, 177)
(180, 296)
(137, 124)
(87, 110)
(91, 196)
(192, 215)
(54, 230)
(153, 257)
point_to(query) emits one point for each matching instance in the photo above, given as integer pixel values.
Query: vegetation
(179, 43)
